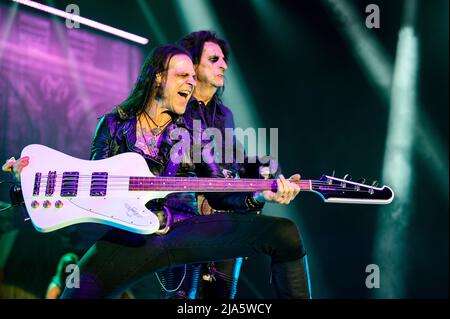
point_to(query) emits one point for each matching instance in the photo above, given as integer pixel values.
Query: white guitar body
(119, 208)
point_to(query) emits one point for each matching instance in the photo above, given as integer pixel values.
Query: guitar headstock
(343, 190)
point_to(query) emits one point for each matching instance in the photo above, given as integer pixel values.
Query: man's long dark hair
(194, 43)
(146, 87)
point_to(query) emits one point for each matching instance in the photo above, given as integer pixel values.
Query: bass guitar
(60, 190)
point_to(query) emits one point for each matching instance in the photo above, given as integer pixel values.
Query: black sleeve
(264, 167)
(100, 146)
(237, 202)
(252, 167)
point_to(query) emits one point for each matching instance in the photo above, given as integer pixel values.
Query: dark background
(307, 83)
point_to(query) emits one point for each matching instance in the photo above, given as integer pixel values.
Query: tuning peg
(332, 175)
(375, 183)
(347, 177)
(362, 180)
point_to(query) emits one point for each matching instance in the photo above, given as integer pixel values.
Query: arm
(287, 190)
(238, 202)
(266, 167)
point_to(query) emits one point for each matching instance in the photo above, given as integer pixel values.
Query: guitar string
(109, 189)
(113, 184)
(178, 179)
(199, 183)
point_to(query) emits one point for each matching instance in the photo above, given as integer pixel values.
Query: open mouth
(184, 93)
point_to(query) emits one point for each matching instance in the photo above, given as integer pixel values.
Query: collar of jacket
(214, 101)
(176, 118)
(129, 133)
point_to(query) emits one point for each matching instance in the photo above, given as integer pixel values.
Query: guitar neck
(207, 184)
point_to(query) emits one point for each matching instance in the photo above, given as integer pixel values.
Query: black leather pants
(121, 258)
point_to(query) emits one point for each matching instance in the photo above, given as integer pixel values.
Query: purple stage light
(85, 21)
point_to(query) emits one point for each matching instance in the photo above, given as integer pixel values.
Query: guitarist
(210, 54)
(142, 124)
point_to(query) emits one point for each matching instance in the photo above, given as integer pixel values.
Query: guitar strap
(171, 168)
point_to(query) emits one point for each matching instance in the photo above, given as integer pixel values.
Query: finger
(285, 192)
(296, 181)
(280, 187)
(268, 195)
(281, 196)
(296, 190)
(288, 190)
(21, 167)
(295, 194)
(293, 188)
(23, 163)
(24, 159)
(7, 167)
(278, 200)
(15, 167)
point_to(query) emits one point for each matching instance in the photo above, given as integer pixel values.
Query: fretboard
(191, 184)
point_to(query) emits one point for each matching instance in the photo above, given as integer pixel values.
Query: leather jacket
(116, 134)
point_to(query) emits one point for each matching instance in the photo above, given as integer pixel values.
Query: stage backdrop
(54, 84)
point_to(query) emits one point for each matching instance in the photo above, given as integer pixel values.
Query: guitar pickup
(37, 184)
(99, 184)
(50, 187)
(69, 186)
